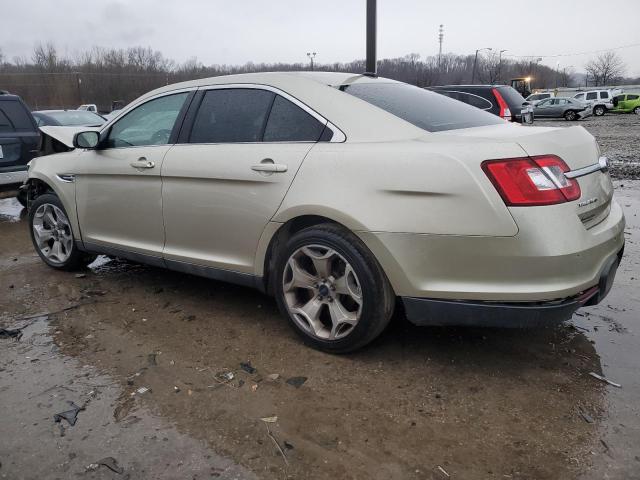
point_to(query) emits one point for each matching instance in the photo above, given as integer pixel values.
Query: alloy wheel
(322, 292)
(52, 233)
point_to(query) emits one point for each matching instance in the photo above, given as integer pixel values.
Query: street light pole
(475, 63)
(311, 56)
(500, 65)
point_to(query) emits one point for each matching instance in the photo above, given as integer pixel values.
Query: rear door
(239, 151)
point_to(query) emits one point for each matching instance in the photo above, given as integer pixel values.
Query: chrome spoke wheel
(52, 233)
(322, 292)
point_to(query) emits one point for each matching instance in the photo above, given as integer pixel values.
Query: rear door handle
(268, 166)
(143, 163)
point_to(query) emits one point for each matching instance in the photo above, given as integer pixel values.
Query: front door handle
(143, 163)
(268, 166)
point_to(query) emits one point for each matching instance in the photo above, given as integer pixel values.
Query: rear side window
(604, 94)
(289, 123)
(424, 109)
(475, 100)
(14, 117)
(231, 115)
(633, 97)
(592, 96)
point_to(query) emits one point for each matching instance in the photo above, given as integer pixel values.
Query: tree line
(107, 75)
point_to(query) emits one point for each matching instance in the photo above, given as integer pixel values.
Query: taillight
(531, 181)
(504, 108)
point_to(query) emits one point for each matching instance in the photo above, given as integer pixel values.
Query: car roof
(470, 86)
(8, 96)
(277, 79)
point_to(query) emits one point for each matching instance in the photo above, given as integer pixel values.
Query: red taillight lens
(532, 181)
(504, 108)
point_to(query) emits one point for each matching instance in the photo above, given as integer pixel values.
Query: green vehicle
(626, 103)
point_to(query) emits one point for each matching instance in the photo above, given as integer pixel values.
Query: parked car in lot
(600, 100)
(19, 139)
(536, 97)
(626, 103)
(340, 195)
(89, 107)
(559, 107)
(68, 118)
(501, 100)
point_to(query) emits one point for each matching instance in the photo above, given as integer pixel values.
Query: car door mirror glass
(89, 140)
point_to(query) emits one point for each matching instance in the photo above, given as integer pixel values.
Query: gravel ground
(618, 137)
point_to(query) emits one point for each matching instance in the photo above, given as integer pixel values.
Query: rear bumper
(12, 179)
(437, 312)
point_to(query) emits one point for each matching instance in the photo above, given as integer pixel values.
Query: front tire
(636, 110)
(570, 116)
(332, 290)
(598, 111)
(52, 235)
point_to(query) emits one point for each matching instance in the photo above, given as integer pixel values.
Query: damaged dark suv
(19, 142)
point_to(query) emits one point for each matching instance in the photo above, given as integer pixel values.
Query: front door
(118, 186)
(226, 181)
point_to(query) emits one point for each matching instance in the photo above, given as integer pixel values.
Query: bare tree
(605, 68)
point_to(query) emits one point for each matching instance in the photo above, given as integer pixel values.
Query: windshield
(427, 110)
(76, 118)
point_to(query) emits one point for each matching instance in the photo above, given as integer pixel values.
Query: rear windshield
(512, 97)
(76, 118)
(427, 110)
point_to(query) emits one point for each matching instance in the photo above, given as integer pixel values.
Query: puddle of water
(38, 382)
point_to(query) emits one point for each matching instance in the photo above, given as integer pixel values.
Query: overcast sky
(235, 32)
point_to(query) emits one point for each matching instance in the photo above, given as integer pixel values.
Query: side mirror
(89, 140)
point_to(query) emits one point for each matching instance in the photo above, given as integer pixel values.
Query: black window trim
(187, 125)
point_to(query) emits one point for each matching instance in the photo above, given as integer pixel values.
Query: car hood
(65, 134)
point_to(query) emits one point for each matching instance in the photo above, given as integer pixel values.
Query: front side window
(149, 124)
(544, 103)
(579, 96)
(424, 109)
(231, 115)
(289, 123)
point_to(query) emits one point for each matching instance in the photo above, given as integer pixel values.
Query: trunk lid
(577, 147)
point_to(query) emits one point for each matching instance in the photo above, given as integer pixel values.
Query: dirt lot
(420, 403)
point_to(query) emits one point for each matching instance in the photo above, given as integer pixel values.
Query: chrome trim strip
(66, 177)
(602, 165)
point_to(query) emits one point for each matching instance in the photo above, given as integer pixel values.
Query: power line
(577, 53)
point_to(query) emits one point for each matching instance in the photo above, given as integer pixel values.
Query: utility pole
(475, 63)
(371, 65)
(311, 56)
(440, 38)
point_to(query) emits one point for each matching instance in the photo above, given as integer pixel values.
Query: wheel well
(38, 187)
(285, 232)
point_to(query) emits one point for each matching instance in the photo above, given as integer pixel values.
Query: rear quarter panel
(431, 185)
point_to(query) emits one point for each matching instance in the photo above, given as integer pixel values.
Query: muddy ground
(420, 403)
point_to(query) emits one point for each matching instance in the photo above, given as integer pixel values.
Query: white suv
(600, 100)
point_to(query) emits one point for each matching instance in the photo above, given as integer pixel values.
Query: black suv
(501, 100)
(19, 141)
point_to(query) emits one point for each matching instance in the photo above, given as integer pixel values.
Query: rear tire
(599, 110)
(52, 235)
(332, 289)
(570, 115)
